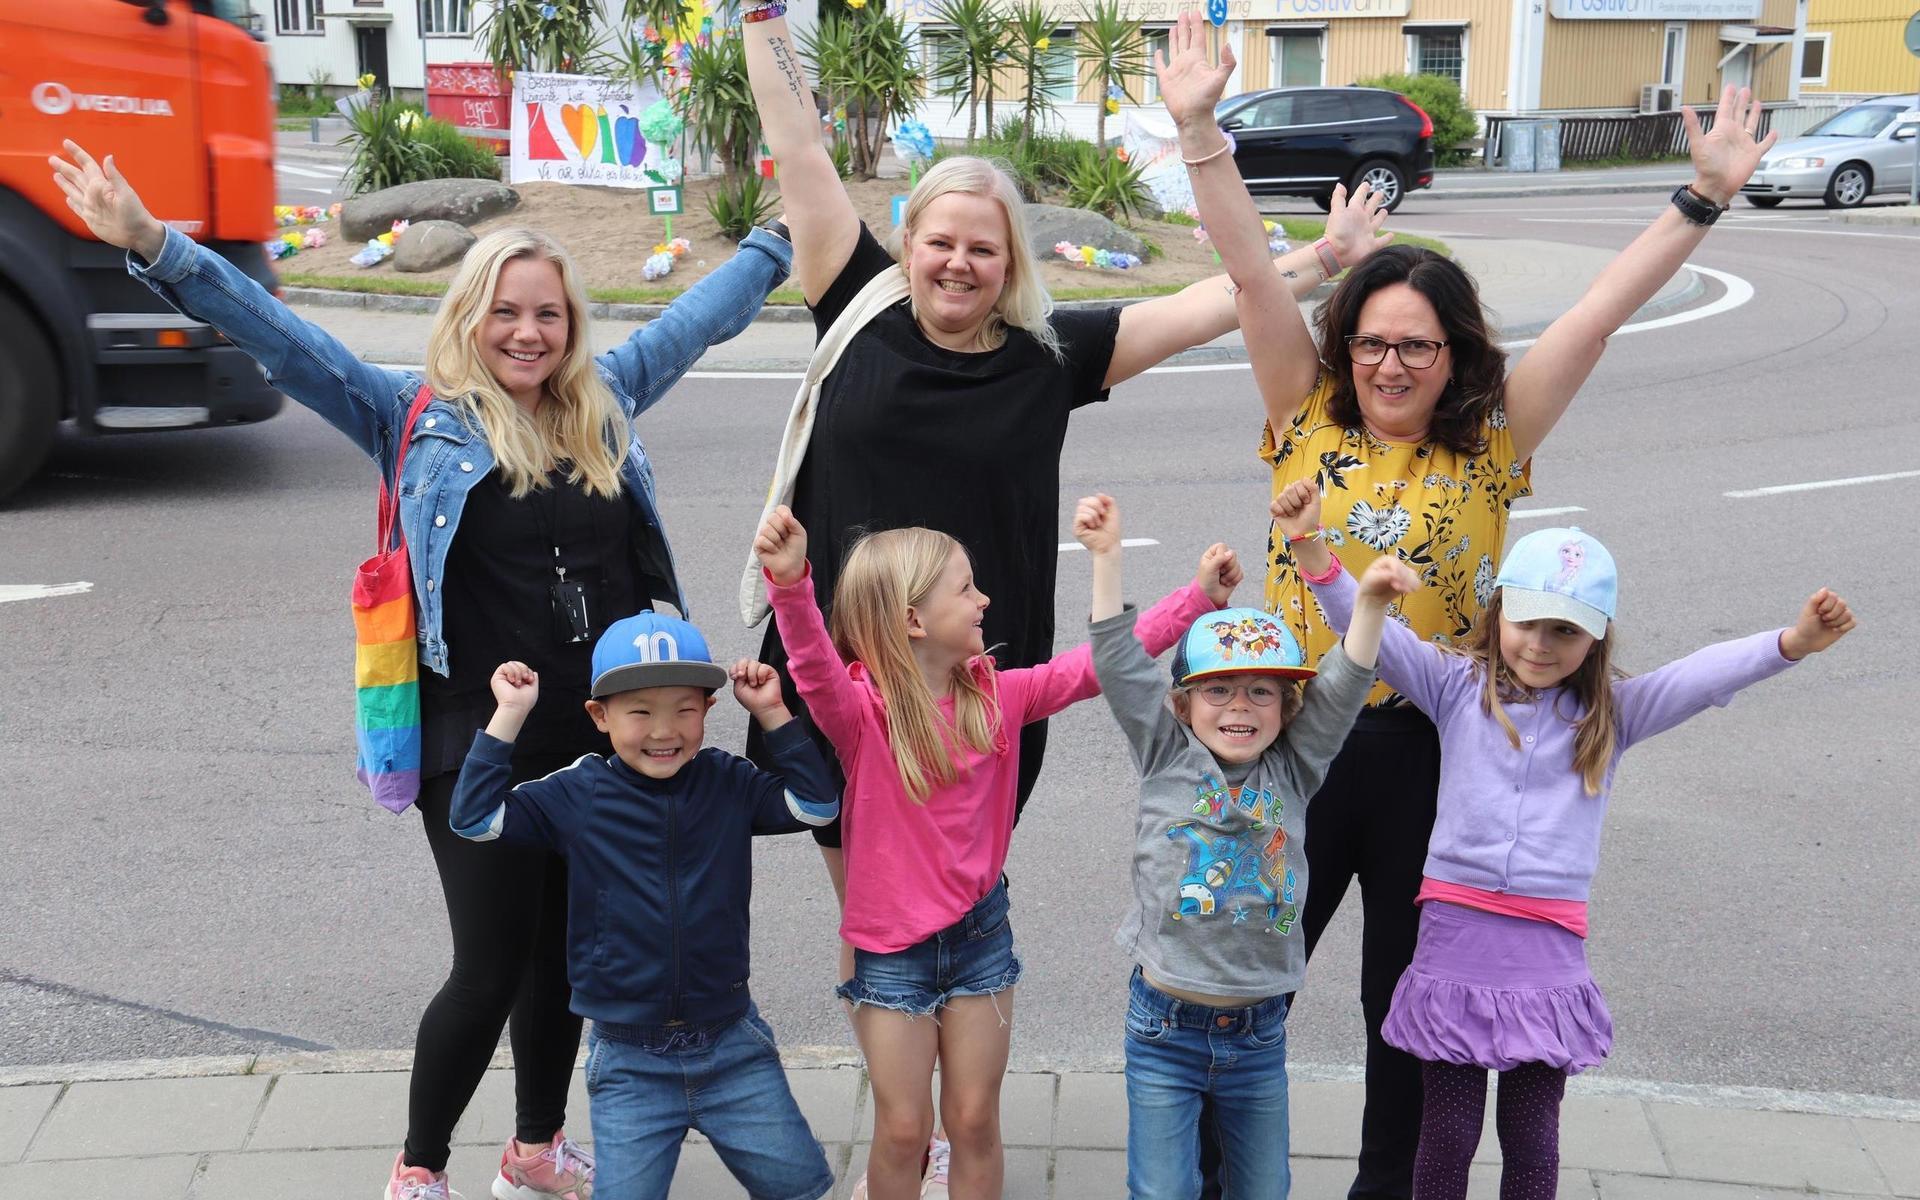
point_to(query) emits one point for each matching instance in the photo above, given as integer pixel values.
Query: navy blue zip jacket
(659, 871)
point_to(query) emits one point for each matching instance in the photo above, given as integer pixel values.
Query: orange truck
(181, 94)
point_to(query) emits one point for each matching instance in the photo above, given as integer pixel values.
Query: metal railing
(1588, 139)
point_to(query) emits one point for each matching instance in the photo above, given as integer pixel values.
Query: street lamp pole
(1913, 48)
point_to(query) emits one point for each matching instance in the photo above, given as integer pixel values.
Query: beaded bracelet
(766, 12)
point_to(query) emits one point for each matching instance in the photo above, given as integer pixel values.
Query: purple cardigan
(1520, 821)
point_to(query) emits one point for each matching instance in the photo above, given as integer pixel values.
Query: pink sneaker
(418, 1183)
(933, 1185)
(560, 1171)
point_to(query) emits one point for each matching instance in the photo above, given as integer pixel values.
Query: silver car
(1863, 151)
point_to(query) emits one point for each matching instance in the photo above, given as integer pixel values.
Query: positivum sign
(1657, 10)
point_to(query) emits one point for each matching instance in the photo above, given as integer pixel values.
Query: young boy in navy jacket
(657, 839)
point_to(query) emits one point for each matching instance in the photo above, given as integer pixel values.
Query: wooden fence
(1586, 139)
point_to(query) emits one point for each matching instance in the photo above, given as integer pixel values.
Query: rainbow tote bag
(386, 659)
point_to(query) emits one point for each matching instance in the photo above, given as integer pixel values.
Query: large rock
(1048, 224)
(464, 201)
(430, 245)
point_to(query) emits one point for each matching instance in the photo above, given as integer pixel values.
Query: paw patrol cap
(1238, 641)
(1560, 575)
(649, 650)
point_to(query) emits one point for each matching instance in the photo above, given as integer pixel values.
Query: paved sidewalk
(1526, 284)
(325, 1126)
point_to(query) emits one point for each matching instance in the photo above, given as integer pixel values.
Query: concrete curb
(1555, 189)
(358, 1062)
(1898, 214)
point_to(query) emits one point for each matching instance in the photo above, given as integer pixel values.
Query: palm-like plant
(1116, 52)
(717, 104)
(863, 67)
(965, 73)
(1030, 29)
(538, 35)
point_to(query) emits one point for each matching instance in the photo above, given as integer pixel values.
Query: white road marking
(1739, 291)
(283, 169)
(1521, 514)
(1819, 485)
(1066, 546)
(1898, 237)
(10, 592)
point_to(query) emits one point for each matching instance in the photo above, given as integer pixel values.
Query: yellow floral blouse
(1442, 513)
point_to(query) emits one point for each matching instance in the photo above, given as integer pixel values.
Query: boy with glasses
(1227, 764)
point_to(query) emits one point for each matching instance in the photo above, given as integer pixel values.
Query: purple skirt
(1494, 991)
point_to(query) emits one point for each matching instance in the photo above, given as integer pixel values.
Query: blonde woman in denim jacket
(527, 444)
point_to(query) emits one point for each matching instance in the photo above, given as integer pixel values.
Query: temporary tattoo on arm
(789, 69)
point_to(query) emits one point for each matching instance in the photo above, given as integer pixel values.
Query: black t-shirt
(498, 604)
(911, 433)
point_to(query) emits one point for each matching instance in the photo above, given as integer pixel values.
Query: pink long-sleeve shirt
(914, 869)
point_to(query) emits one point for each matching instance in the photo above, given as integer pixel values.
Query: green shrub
(1104, 183)
(395, 143)
(737, 205)
(1453, 120)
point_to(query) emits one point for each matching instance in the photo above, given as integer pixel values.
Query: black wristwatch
(1695, 207)
(778, 229)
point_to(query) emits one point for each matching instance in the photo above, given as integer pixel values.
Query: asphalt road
(192, 868)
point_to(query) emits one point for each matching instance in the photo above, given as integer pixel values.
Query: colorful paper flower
(366, 82)
(549, 12)
(1044, 43)
(913, 140)
(1113, 106)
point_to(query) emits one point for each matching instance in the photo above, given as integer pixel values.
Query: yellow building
(1857, 48)
(1510, 57)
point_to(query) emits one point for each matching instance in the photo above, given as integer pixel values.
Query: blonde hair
(580, 423)
(884, 575)
(1597, 730)
(1023, 301)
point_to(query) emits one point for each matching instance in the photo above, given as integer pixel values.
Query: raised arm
(711, 311)
(825, 227)
(798, 793)
(1544, 382)
(1278, 343)
(834, 701)
(306, 362)
(1155, 330)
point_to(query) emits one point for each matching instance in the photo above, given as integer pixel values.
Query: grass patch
(1303, 231)
(1622, 160)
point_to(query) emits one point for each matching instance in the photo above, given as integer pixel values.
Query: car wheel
(1324, 202)
(1849, 186)
(1386, 179)
(1765, 201)
(29, 395)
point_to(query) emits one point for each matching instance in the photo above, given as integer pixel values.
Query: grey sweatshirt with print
(1219, 877)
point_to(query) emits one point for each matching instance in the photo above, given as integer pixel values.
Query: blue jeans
(971, 957)
(1178, 1053)
(727, 1083)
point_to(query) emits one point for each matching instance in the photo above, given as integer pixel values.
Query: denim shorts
(971, 957)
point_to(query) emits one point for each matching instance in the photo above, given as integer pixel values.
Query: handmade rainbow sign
(581, 129)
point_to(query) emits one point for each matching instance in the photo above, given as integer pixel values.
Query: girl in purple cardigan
(1533, 718)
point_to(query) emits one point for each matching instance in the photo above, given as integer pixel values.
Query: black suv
(1300, 141)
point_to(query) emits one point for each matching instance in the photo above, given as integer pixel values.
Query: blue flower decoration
(549, 12)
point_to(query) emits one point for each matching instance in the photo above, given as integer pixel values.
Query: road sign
(1913, 35)
(1217, 15)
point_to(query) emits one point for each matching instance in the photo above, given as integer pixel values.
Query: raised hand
(1823, 620)
(102, 197)
(1096, 524)
(782, 546)
(516, 687)
(1386, 578)
(1354, 223)
(1724, 157)
(1219, 573)
(1296, 510)
(757, 687)
(1189, 85)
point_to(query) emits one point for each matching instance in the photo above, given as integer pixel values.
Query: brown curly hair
(1479, 381)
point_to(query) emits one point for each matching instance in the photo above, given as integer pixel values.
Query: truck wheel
(29, 395)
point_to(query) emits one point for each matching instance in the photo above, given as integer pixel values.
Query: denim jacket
(448, 455)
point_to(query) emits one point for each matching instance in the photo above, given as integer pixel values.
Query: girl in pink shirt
(927, 728)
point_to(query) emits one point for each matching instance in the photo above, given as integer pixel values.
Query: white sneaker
(933, 1185)
(418, 1183)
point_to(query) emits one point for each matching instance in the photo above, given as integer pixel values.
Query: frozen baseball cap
(1560, 575)
(1238, 641)
(649, 650)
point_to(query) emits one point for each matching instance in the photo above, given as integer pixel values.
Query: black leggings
(1371, 821)
(1527, 1119)
(508, 909)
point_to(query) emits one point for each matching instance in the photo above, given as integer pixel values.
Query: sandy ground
(610, 235)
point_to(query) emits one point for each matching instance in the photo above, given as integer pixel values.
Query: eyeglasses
(1219, 695)
(1414, 353)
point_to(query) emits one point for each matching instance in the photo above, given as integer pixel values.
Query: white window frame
(1414, 31)
(1826, 60)
(1675, 35)
(1279, 33)
(1062, 43)
(310, 8)
(458, 10)
(1150, 91)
